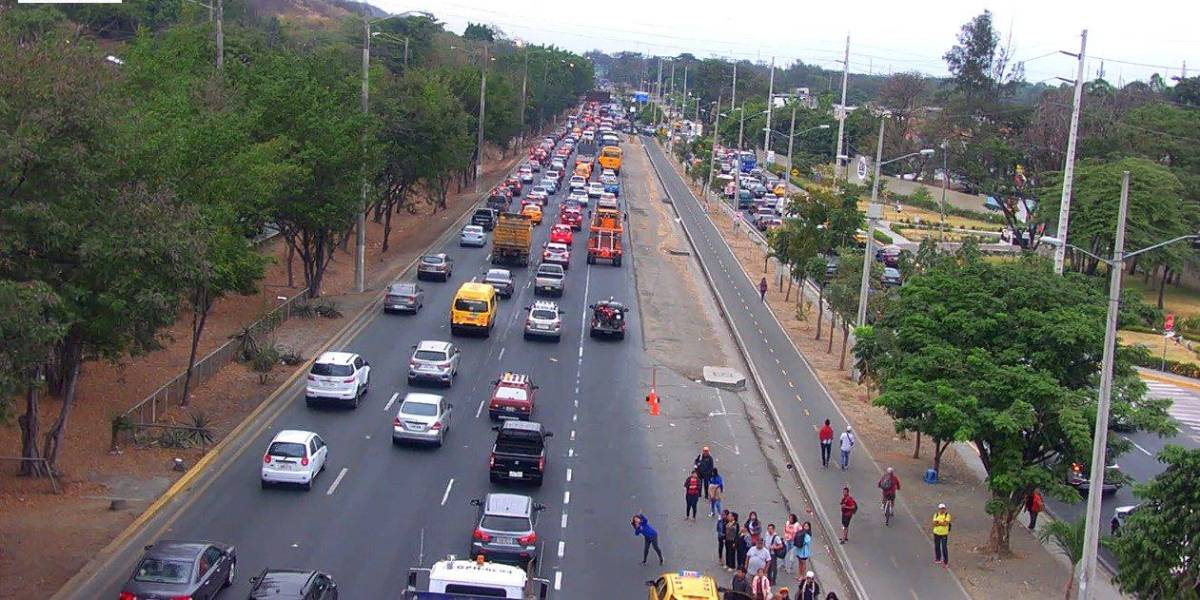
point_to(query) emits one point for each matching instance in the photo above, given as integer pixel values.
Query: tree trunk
(387, 226)
(998, 538)
(72, 356)
(845, 340)
(939, 448)
(820, 309)
(1147, 273)
(29, 428)
(201, 306)
(291, 254)
(1162, 285)
(787, 295)
(832, 322)
(917, 448)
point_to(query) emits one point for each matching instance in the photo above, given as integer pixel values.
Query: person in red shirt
(849, 507)
(826, 436)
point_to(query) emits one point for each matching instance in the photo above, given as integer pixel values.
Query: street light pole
(770, 102)
(866, 274)
(741, 126)
(791, 138)
(220, 34)
(524, 81)
(840, 113)
(360, 218)
(712, 163)
(482, 105)
(1064, 207)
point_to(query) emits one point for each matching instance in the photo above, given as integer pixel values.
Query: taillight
(127, 596)
(181, 598)
(350, 380)
(480, 536)
(396, 421)
(528, 540)
(492, 460)
(267, 459)
(436, 425)
(312, 378)
(542, 463)
(304, 461)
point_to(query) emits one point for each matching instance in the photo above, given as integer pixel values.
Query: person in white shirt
(847, 442)
(758, 557)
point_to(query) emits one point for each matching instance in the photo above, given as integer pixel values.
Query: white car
(294, 457)
(544, 320)
(578, 183)
(579, 197)
(434, 360)
(472, 235)
(422, 418)
(526, 175)
(538, 194)
(557, 254)
(338, 376)
(608, 173)
(595, 189)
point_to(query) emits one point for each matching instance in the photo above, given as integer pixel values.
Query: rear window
(545, 315)
(157, 570)
(483, 212)
(421, 409)
(332, 370)
(402, 290)
(432, 260)
(474, 591)
(434, 355)
(477, 306)
(510, 524)
(286, 449)
(511, 393)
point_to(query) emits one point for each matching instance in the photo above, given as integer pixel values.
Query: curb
(842, 559)
(228, 449)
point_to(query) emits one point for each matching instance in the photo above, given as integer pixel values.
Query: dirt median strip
(228, 449)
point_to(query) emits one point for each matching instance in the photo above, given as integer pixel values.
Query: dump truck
(604, 237)
(512, 239)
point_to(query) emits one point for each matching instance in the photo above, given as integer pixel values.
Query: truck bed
(512, 239)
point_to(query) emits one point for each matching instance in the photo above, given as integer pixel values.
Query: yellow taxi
(534, 212)
(684, 585)
(780, 190)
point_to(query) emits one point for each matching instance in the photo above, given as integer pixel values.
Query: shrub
(264, 362)
(328, 309)
(882, 237)
(290, 356)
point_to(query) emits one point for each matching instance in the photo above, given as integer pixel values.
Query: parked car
(472, 235)
(338, 376)
(544, 320)
(1078, 478)
(501, 279)
(512, 397)
(182, 569)
(294, 456)
(422, 418)
(434, 360)
(504, 531)
(1120, 515)
(438, 266)
(288, 584)
(401, 296)
(519, 453)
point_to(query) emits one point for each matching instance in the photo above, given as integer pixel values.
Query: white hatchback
(338, 376)
(294, 457)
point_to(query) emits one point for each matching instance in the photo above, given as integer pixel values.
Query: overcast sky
(1134, 39)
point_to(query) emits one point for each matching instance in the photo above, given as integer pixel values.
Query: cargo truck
(512, 239)
(604, 238)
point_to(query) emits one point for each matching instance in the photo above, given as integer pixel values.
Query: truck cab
(453, 579)
(519, 453)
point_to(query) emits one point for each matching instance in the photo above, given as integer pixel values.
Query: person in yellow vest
(941, 534)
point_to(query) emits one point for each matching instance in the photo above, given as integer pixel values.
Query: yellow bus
(610, 158)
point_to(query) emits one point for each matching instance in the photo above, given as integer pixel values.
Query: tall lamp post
(712, 163)
(873, 212)
(1091, 537)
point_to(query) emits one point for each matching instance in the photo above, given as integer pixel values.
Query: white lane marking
(557, 580)
(446, 494)
(564, 520)
(570, 452)
(336, 481)
(501, 357)
(479, 411)
(784, 371)
(1135, 445)
(562, 547)
(390, 402)
(572, 435)
(791, 385)
(566, 497)
(574, 418)
(568, 475)
(581, 350)
(488, 257)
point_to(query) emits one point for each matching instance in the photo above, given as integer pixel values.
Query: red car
(512, 397)
(572, 218)
(514, 185)
(561, 234)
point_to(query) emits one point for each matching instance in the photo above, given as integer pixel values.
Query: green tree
(480, 32)
(1068, 537)
(30, 328)
(1158, 546)
(1006, 357)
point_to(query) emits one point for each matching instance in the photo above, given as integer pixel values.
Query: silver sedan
(472, 235)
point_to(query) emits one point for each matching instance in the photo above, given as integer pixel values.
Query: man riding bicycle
(889, 484)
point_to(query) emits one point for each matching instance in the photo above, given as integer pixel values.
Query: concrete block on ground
(724, 378)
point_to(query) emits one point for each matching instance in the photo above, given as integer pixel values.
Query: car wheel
(354, 401)
(526, 336)
(265, 483)
(309, 402)
(308, 485)
(441, 439)
(557, 339)
(232, 574)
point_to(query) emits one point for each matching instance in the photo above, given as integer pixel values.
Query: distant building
(801, 95)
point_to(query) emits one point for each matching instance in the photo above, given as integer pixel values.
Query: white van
(475, 578)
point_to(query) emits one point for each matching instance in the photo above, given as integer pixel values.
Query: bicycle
(889, 509)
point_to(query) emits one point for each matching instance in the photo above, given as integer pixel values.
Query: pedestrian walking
(846, 443)
(754, 526)
(760, 587)
(732, 534)
(739, 586)
(826, 438)
(782, 594)
(716, 491)
(849, 507)
(641, 526)
(803, 544)
(705, 466)
(691, 495)
(758, 558)
(941, 536)
(809, 589)
(722, 522)
(745, 543)
(762, 289)
(1034, 505)
(778, 552)
(790, 529)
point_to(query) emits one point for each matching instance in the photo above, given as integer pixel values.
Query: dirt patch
(48, 537)
(1032, 573)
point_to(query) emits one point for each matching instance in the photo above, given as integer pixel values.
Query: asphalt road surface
(379, 509)
(891, 562)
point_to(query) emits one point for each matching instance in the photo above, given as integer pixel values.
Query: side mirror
(476, 502)
(254, 580)
(147, 547)
(495, 428)
(449, 406)
(414, 346)
(539, 506)
(549, 434)
(527, 307)
(367, 363)
(591, 306)
(650, 583)
(537, 387)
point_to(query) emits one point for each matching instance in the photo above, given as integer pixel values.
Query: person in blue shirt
(641, 526)
(716, 490)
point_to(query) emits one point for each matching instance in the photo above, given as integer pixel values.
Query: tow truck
(454, 579)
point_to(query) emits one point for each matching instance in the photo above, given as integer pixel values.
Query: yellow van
(474, 309)
(684, 585)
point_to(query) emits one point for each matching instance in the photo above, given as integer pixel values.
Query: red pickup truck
(512, 398)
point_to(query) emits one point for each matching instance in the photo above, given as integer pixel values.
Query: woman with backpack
(716, 489)
(802, 545)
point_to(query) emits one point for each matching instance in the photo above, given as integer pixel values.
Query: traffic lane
(800, 399)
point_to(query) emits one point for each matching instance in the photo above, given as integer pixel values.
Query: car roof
(550, 267)
(293, 436)
(474, 227)
(544, 305)
(402, 287)
(177, 549)
(499, 273)
(422, 398)
(336, 358)
(556, 245)
(434, 345)
(509, 505)
(276, 581)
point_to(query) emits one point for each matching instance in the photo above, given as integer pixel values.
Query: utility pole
(712, 163)
(220, 34)
(360, 218)
(482, 104)
(733, 94)
(671, 85)
(945, 184)
(866, 274)
(683, 110)
(741, 126)
(406, 51)
(791, 138)
(840, 113)
(658, 94)
(770, 102)
(1064, 208)
(524, 81)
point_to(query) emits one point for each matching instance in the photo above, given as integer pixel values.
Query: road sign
(770, 156)
(862, 168)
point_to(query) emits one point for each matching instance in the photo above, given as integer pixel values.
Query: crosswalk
(1185, 406)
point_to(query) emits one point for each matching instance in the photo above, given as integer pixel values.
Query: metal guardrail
(148, 410)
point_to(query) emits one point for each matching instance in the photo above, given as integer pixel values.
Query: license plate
(516, 474)
(427, 368)
(510, 409)
(506, 541)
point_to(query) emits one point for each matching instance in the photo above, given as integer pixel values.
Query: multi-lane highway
(379, 509)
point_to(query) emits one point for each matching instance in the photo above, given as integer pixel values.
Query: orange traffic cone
(652, 400)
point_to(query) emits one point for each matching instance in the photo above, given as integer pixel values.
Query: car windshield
(431, 260)
(477, 306)
(420, 409)
(539, 189)
(286, 449)
(434, 355)
(158, 570)
(543, 314)
(332, 370)
(508, 524)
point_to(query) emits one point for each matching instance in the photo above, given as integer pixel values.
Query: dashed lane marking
(562, 547)
(557, 580)
(566, 497)
(446, 494)
(333, 488)
(388, 406)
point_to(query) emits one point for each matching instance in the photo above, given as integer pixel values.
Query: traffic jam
(570, 185)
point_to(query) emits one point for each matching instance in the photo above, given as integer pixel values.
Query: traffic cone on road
(652, 400)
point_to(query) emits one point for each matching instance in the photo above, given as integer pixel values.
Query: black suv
(608, 319)
(519, 453)
(484, 217)
(287, 584)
